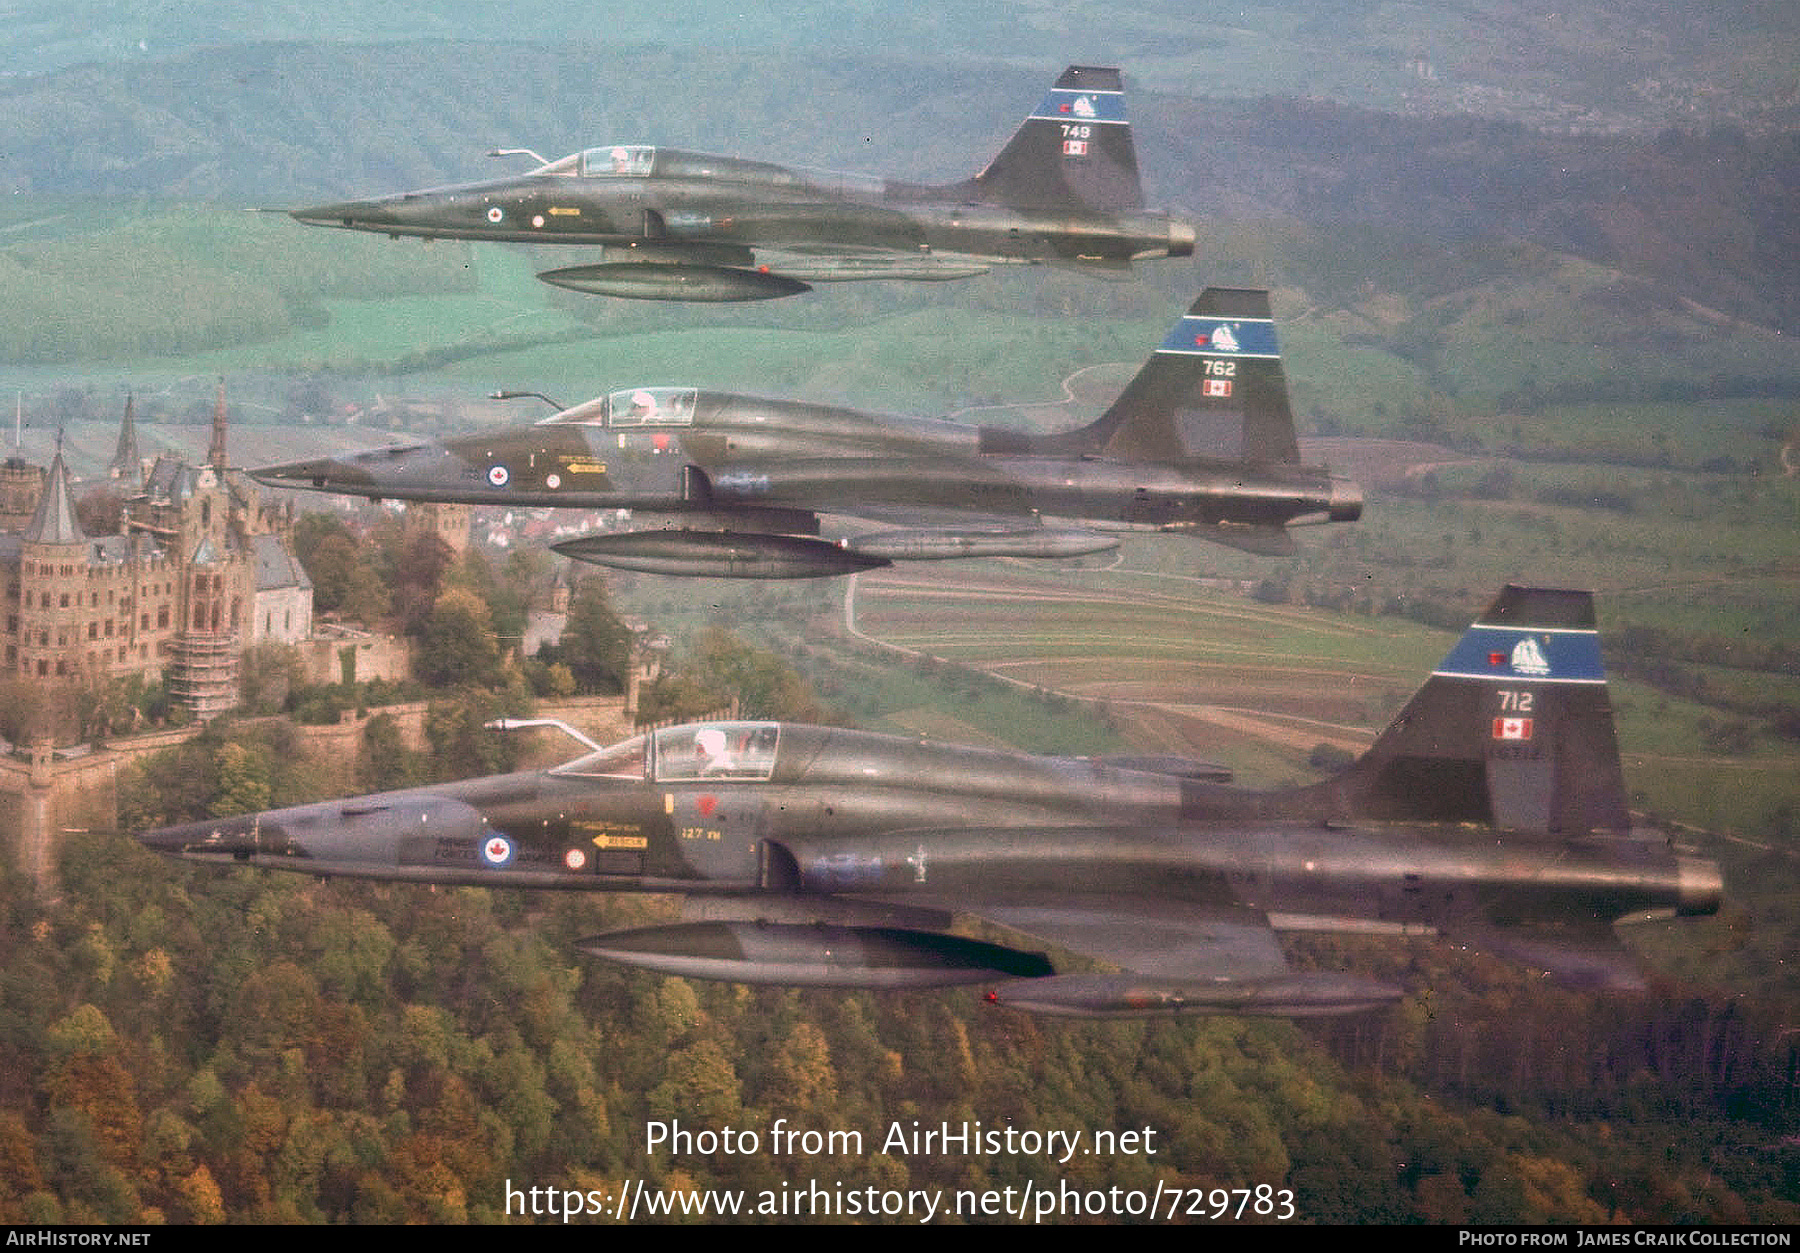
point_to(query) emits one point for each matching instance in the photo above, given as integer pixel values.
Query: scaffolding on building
(203, 674)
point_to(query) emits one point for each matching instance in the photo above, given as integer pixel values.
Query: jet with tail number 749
(1491, 811)
(675, 225)
(1201, 442)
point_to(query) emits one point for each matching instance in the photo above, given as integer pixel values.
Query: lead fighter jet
(1201, 442)
(674, 225)
(1492, 810)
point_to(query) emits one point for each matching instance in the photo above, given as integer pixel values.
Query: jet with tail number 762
(1491, 811)
(675, 225)
(1201, 442)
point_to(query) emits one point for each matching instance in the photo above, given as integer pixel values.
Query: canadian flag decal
(1512, 728)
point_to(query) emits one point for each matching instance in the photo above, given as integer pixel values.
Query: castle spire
(215, 456)
(125, 462)
(55, 521)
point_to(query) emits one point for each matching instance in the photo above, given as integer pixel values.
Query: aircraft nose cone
(319, 472)
(350, 213)
(220, 835)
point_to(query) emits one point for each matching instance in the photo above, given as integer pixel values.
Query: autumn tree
(458, 648)
(344, 574)
(596, 645)
(721, 668)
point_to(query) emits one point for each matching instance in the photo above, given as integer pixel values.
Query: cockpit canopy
(650, 161)
(710, 751)
(632, 407)
(646, 160)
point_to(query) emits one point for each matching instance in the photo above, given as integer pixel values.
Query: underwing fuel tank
(815, 955)
(1134, 996)
(929, 545)
(725, 554)
(641, 280)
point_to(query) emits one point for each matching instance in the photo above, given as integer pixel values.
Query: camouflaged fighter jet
(1492, 811)
(1201, 442)
(674, 225)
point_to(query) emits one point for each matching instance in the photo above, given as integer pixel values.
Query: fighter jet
(1201, 442)
(1492, 811)
(674, 225)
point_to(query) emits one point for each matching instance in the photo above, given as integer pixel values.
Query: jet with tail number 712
(675, 225)
(1491, 811)
(1201, 442)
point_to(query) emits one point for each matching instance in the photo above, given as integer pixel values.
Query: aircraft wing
(1177, 957)
(749, 543)
(1164, 939)
(1148, 936)
(827, 264)
(1265, 541)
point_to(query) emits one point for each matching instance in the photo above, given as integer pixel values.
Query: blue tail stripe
(1223, 337)
(1516, 655)
(1079, 107)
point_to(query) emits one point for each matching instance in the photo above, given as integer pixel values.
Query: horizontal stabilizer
(1174, 767)
(1264, 541)
(1586, 961)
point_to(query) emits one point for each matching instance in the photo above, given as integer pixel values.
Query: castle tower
(204, 673)
(449, 523)
(21, 487)
(53, 568)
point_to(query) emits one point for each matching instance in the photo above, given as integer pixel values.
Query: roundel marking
(495, 214)
(553, 481)
(575, 859)
(497, 850)
(498, 475)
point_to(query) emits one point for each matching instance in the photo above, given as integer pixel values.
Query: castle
(199, 571)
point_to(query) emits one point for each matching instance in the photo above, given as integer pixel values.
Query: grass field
(1214, 674)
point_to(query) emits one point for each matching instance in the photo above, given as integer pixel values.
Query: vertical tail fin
(1073, 152)
(1513, 730)
(1214, 388)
